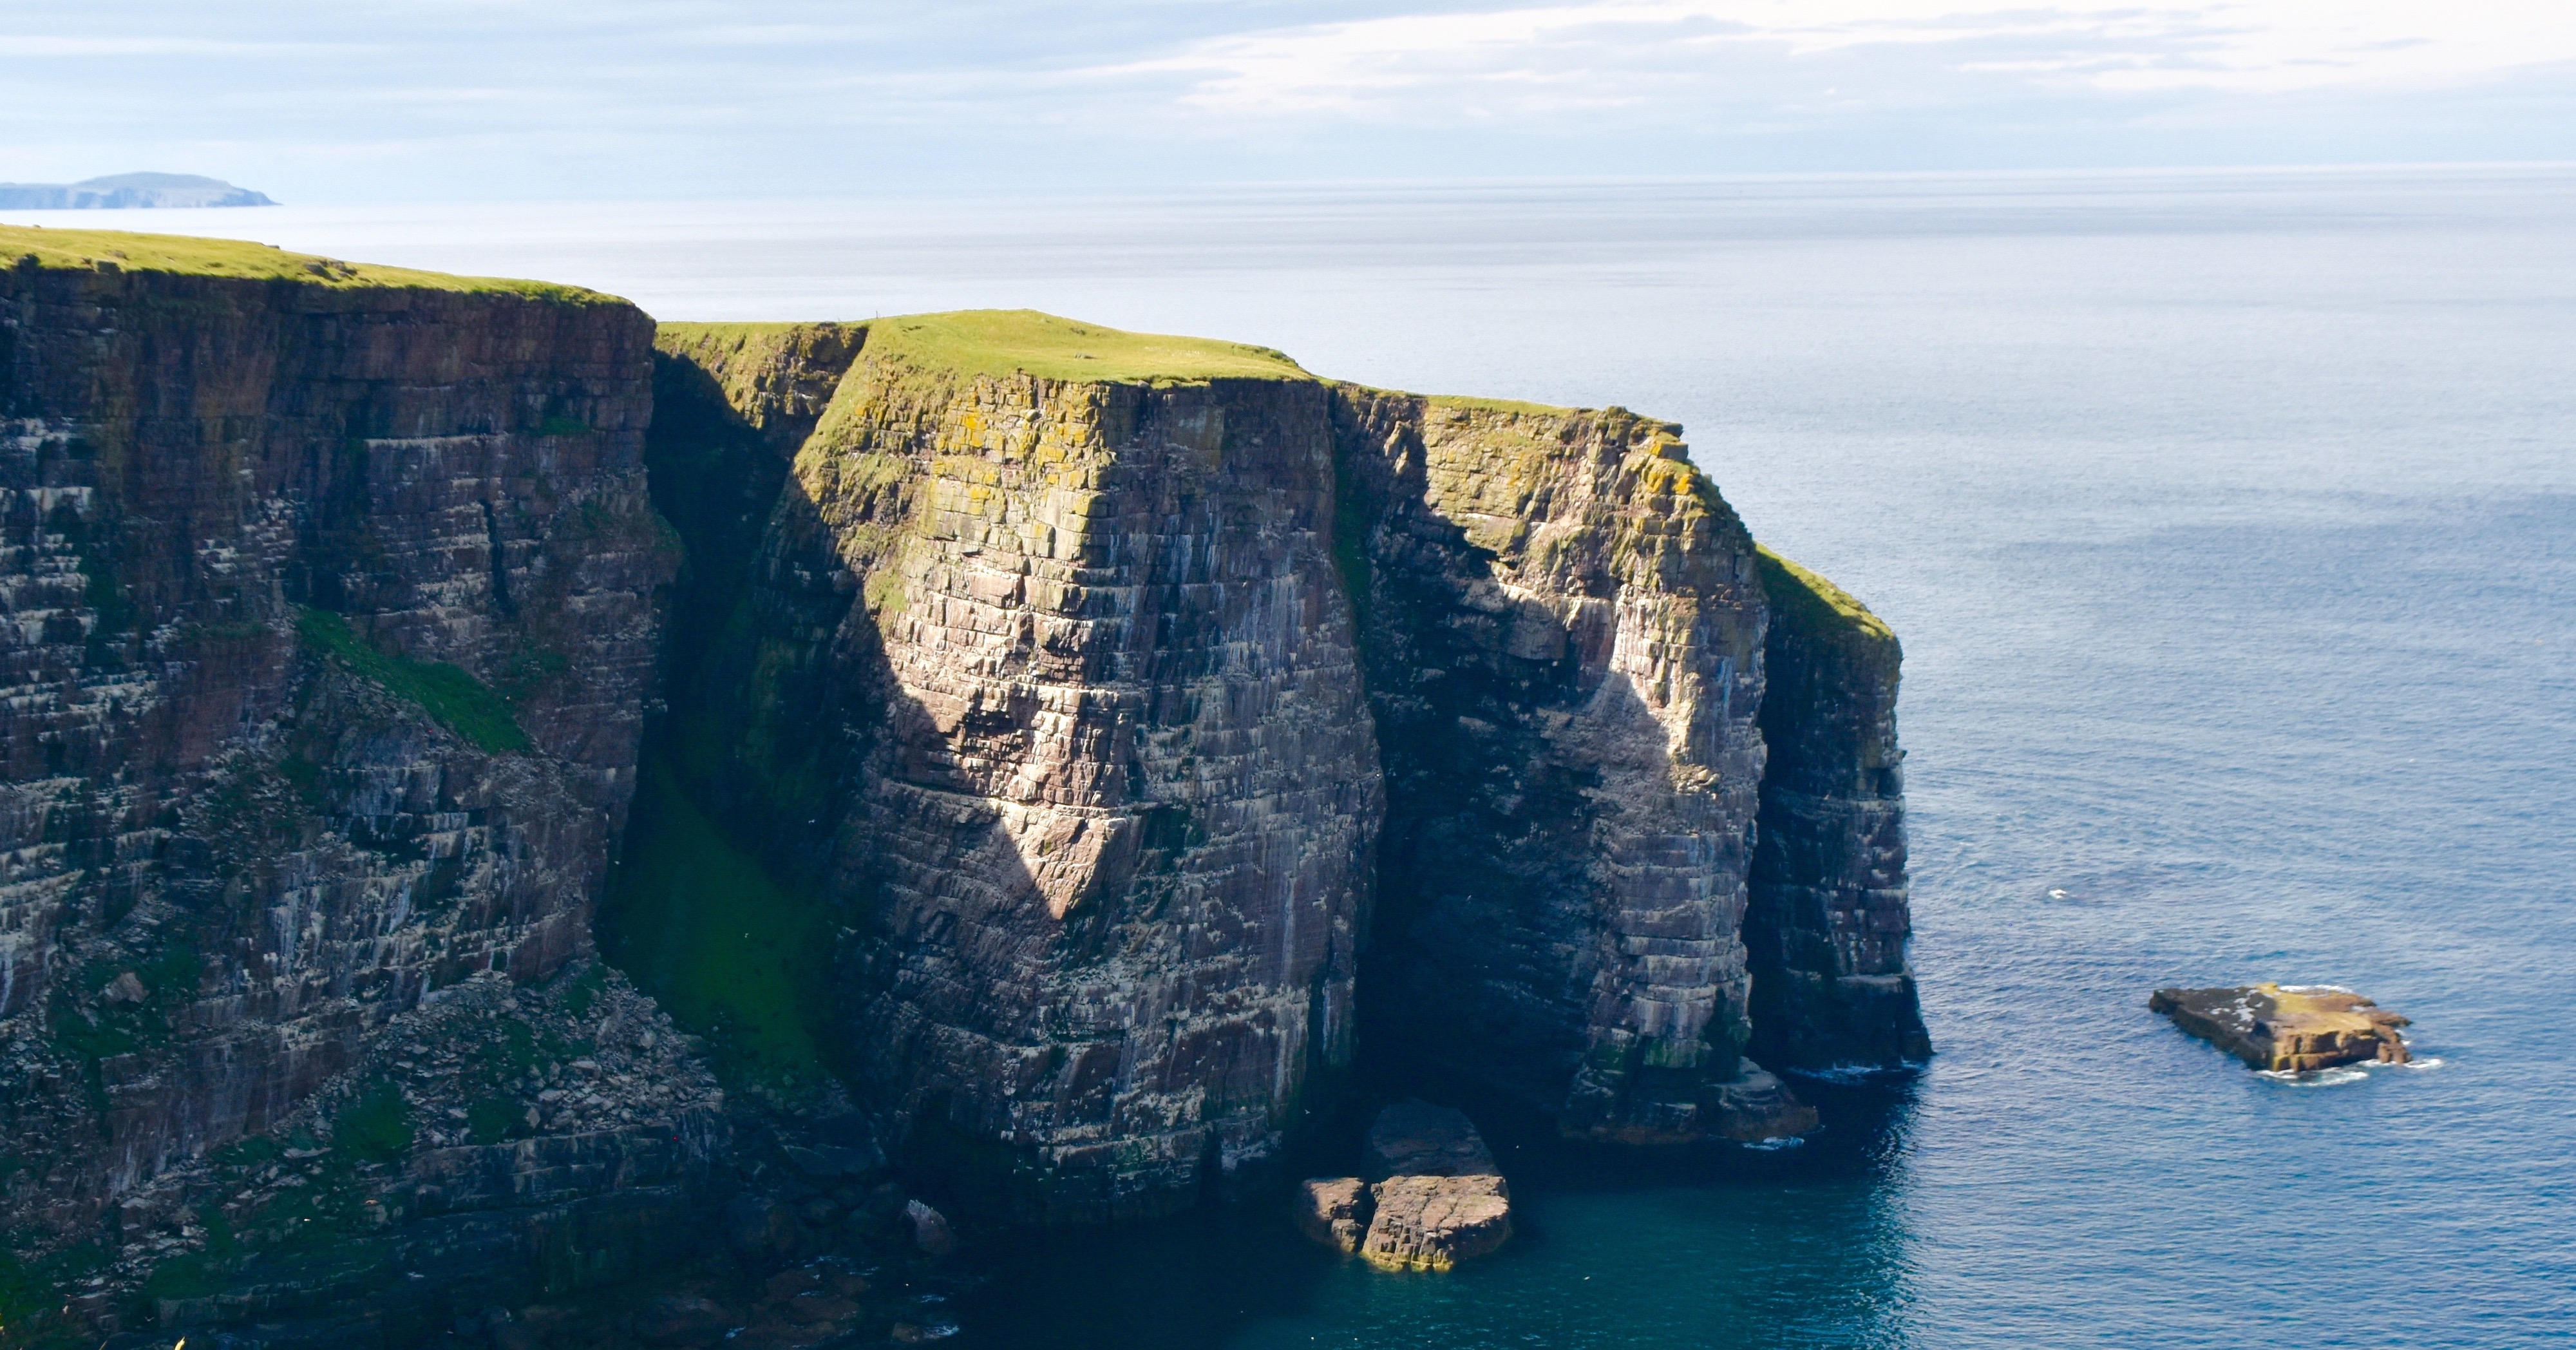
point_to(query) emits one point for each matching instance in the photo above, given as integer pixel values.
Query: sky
(466, 100)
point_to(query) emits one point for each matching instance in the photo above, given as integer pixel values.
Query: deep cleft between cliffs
(506, 798)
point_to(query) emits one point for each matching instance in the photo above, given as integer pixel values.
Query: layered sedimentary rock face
(1111, 690)
(1830, 908)
(330, 624)
(1059, 673)
(1107, 736)
(1564, 643)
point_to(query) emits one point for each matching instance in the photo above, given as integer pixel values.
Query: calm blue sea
(2229, 521)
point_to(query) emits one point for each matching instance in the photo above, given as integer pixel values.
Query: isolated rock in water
(930, 1231)
(1435, 1222)
(1441, 1200)
(2287, 1029)
(1335, 1211)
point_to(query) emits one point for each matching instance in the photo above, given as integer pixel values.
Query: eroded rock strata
(1563, 632)
(1099, 737)
(330, 625)
(1830, 912)
(1061, 679)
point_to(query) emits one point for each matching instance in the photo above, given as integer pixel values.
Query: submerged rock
(2287, 1029)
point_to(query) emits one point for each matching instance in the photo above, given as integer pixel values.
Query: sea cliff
(332, 623)
(1064, 762)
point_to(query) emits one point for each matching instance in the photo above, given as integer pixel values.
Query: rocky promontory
(128, 191)
(2288, 1028)
(501, 792)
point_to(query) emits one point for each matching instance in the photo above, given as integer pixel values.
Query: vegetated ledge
(1822, 604)
(1002, 342)
(33, 246)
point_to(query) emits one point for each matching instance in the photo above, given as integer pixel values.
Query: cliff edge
(1068, 757)
(332, 601)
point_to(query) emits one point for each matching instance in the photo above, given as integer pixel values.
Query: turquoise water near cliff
(2229, 522)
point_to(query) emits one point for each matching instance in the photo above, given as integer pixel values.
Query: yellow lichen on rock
(2288, 1029)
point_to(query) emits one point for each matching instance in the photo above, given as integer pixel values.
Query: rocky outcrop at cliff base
(1435, 1197)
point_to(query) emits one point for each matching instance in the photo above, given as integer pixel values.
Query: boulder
(1435, 1222)
(2287, 1028)
(930, 1230)
(1335, 1211)
(1438, 1198)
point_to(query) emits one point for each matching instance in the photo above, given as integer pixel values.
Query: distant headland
(128, 190)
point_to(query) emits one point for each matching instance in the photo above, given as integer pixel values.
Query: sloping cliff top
(235, 258)
(1824, 606)
(1004, 341)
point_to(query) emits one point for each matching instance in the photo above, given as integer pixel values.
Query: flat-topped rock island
(2287, 1028)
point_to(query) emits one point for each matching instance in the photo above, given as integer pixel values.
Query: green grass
(1500, 405)
(86, 249)
(698, 924)
(494, 1119)
(1005, 341)
(374, 1128)
(1820, 603)
(460, 702)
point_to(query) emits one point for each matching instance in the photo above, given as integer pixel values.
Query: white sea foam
(2316, 1078)
(1846, 1073)
(1775, 1144)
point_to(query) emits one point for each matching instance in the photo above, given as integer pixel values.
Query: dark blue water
(2230, 526)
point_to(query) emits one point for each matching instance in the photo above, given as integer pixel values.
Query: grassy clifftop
(1820, 607)
(89, 250)
(1006, 341)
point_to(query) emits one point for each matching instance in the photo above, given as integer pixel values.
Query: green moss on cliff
(1005, 341)
(750, 363)
(1820, 606)
(460, 702)
(699, 925)
(88, 250)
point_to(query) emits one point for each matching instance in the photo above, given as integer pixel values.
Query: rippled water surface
(2230, 526)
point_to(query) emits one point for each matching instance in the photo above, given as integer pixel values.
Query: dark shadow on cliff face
(1463, 871)
(716, 904)
(1802, 1245)
(745, 897)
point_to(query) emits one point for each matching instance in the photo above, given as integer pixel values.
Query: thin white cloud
(1530, 56)
(42, 45)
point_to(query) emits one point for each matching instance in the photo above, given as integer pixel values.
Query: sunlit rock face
(1162, 737)
(1101, 789)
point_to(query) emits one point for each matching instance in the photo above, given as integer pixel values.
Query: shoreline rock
(2287, 1029)
(1437, 1198)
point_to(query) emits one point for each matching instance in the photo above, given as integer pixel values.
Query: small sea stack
(1435, 1197)
(2287, 1028)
